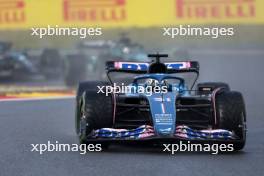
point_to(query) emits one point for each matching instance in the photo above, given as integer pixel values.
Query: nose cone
(163, 111)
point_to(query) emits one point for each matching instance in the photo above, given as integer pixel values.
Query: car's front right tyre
(96, 111)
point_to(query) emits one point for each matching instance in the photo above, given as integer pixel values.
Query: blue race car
(157, 102)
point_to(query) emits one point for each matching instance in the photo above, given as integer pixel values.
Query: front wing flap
(146, 132)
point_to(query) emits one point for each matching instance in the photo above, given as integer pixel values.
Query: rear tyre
(96, 111)
(51, 64)
(208, 87)
(231, 115)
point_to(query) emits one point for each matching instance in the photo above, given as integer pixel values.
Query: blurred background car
(14, 64)
(87, 60)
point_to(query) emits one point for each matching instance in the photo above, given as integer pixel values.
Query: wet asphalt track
(23, 123)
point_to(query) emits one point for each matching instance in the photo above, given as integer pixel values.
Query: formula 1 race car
(161, 105)
(13, 64)
(17, 65)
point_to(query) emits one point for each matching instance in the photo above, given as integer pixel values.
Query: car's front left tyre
(231, 115)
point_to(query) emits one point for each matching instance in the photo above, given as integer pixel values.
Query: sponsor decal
(94, 10)
(159, 99)
(131, 66)
(216, 9)
(12, 11)
(164, 119)
(144, 66)
(178, 65)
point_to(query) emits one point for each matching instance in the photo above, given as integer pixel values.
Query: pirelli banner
(21, 14)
